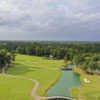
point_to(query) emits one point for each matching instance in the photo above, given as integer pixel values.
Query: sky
(59, 20)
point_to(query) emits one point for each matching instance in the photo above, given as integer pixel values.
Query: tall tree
(5, 59)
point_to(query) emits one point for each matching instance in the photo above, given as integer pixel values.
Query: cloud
(49, 19)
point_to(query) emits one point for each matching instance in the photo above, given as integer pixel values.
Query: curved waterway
(68, 80)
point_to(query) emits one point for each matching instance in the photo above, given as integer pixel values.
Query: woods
(85, 55)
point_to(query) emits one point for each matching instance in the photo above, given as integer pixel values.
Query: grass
(47, 72)
(15, 89)
(44, 70)
(88, 91)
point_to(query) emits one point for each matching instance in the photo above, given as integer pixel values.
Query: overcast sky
(67, 20)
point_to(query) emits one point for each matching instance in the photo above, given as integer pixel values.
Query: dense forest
(85, 55)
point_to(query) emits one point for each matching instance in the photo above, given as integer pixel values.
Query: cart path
(35, 88)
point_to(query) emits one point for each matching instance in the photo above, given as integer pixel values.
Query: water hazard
(68, 80)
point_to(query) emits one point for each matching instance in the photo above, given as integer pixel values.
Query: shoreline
(54, 82)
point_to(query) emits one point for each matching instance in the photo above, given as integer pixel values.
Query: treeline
(58, 50)
(90, 63)
(83, 54)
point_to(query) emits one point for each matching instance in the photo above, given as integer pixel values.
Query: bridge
(58, 98)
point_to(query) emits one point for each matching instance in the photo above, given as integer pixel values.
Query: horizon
(44, 41)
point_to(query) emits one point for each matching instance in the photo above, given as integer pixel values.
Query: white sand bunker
(86, 80)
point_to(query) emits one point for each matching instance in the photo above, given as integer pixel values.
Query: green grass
(46, 71)
(15, 89)
(88, 91)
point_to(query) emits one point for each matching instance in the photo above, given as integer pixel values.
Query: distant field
(88, 91)
(42, 69)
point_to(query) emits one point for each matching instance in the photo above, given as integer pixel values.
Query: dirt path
(36, 97)
(35, 88)
(34, 91)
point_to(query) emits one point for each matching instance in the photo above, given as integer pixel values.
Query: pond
(68, 80)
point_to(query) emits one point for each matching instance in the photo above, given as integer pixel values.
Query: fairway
(15, 89)
(45, 71)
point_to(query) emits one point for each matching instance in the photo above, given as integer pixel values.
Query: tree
(76, 60)
(29, 50)
(65, 58)
(5, 59)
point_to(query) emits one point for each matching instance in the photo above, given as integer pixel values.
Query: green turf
(88, 91)
(15, 89)
(42, 69)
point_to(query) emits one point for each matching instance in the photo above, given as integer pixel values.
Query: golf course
(49, 49)
(39, 78)
(17, 83)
